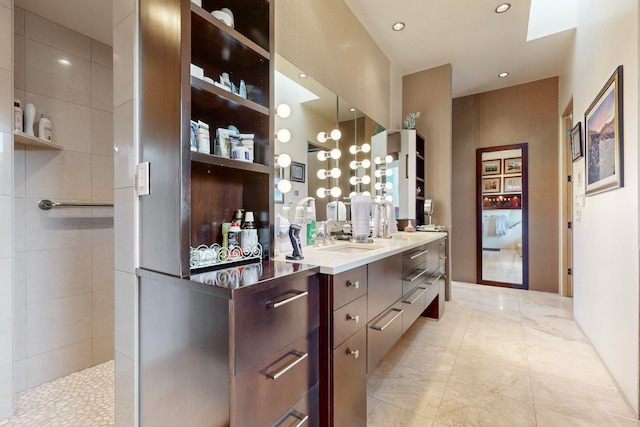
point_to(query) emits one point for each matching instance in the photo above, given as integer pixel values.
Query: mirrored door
(502, 216)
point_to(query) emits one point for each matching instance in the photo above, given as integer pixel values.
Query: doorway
(502, 216)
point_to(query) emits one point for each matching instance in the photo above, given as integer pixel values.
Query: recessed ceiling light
(352, 109)
(398, 26)
(503, 75)
(302, 75)
(64, 62)
(503, 8)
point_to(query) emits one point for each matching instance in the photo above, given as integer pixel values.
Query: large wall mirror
(502, 216)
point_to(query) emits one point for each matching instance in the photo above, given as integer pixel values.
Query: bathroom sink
(352, 248)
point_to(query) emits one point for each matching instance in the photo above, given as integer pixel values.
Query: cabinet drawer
(269, 320)
(413, 258)
(350, 382)
(268, 389)
(414, 304)
(348, 286)
(382, 334)
(432, 284)
(411, 279)
(306, 411)
(348, 319)
(385, 284)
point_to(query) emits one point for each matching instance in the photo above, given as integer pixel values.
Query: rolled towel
(360, 212)
(391, 218)
(377, 220)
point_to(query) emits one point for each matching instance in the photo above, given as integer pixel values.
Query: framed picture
(513, 184)
(513, 165)
(297, 172)
(603, 137)
(491, 185)
(576, 142)
(491, 167)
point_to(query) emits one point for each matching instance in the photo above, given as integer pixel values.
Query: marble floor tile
(383, 414)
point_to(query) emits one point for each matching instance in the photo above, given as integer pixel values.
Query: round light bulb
(389, 172)
(366, 179)
(322, 155)
(378, 173)
(365, 148)
(366, 163)
(353, 165)
(336, 192)
(378, 186)
(378, 160)
(283, 111)
(352, 194)
(321, 192)
(284, 160)
(388, 159)
(336, 172)
(322, 137)
(366, 193)
(336, 153)
(353, 149)
(353, 180)
(283, 135)
(389, 198)
(336, 134)
(388, 185)
(284, 186)
(322, 173)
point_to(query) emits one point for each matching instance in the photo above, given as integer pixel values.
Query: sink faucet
(323, 231)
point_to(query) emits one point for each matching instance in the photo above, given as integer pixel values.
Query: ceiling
(468, 34)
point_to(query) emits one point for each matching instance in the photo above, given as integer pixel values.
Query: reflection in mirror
(502, 218)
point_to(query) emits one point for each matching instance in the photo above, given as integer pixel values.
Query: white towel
(377, 219)
(391, 217)
(384, 211)
(360, 212)
(501, 225)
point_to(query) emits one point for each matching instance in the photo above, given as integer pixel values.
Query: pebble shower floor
(82, 399)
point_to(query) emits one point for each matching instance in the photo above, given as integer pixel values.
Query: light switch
(142, 179)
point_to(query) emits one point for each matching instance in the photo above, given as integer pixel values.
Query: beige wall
(524, 113)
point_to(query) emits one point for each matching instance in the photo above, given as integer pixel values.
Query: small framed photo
(513, 165)
(491, 185)
(491, 167)
(297, 172)
(576, 142)
(513, 184)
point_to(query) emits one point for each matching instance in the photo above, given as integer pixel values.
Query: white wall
(606, 296)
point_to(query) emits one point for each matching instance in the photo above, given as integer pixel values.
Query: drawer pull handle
(354, 353)
(417, 274)
(355, 284)
(300, 356)
(302, 418)
(435, 281)
(298, 294)
(381, 328)
(416, 298)
(355, 318)
(418, 254)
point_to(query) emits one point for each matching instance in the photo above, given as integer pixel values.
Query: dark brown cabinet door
(385, 284)
(350, 382)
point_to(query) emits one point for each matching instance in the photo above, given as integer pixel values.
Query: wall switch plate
(142, 179)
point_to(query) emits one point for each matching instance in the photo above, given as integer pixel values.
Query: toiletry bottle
(233, 241)
(29, 117)
(249, 239)
(45, 129)
(204, 140)
(17, 116)
(238, 216)
(311, 226)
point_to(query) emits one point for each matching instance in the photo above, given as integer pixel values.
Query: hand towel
(360, 212)
(377, 219)
(391, 219)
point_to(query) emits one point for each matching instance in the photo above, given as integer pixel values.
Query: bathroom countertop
(343, 256)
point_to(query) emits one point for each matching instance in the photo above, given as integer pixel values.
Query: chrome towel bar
(46, 205)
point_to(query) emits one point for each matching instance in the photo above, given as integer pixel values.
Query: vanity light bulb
(353, 149)
(378, 160)
(388, 198)
(388, 172)
(378, 173)
(366, 163)
(284, 160)
(352, 194)
(366, 179)
(321, 193)
(378, 186)
(336, 192)
(336, 172)
(388, 185)
(322, 173)
(284, 186)
(322, 137)
(353, 165)
(283, 135)
(336, 134)
(283, 111)
(388, 159)
(354, 180)
(366, 193)
(336, 153)
(322, 155)
(365, 148)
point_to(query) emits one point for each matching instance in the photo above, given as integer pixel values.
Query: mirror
(316, 110)
(502, 219)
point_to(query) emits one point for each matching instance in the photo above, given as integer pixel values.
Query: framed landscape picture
(491, 167)
(513, 165)
(603, 138)
(491, 185)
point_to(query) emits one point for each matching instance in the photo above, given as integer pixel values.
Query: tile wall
(64, 258)
(6, 211)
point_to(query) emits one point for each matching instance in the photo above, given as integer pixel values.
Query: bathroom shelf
(209, 159)
(23, 138)
(215, 95)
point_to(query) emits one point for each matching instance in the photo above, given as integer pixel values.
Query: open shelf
(23, 138)
(209, 159)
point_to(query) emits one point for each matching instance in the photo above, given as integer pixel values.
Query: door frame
(566, 202)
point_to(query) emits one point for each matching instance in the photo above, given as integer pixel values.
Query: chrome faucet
(323, 231)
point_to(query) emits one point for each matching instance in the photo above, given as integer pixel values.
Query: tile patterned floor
(82, 399)
(498, 357)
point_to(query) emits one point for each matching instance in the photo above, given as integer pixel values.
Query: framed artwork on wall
(513, 165)
(491, 167)
(513, 184)
(576, 142)
(603, 137)
(297, 172)
(490, 185)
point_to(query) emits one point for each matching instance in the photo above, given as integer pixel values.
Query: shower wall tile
(125, 313)
(18, 20)
(6, 175)
(55, 35)
(71, 122)
(18, 66)
(103, 325)
(125, 231)
(101, 53)
(6, 289)
(102, 349)
(6, 225)
(58, 273)
(6, 21)
(59, 174)
(102, 133)
(102, 264)
(6, 369)
(19, 375)
(19, 173)
(55, 364)
(101, 178)
(125, 391)
(123, 71)
(45, 76)
(20, 306)
(121, 9)
(59, 323)
(6, 101)
(125, 155)
(101, 87)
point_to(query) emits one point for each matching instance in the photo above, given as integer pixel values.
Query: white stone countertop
(343, 256)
